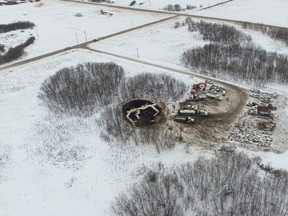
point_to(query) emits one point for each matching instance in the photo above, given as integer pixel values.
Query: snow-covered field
(43, 184)
(54, 166)
(259, 11)
(57, 27)
(160, 4)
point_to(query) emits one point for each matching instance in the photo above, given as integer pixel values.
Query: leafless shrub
(2, 48)
(190, 7)
(79, 90)
(227, 185)
(115, 127)
(4, 160)
(171, 7)
(177, 24)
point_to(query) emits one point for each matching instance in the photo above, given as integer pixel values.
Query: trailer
(184, 119)
(187, 111)
(214, 96)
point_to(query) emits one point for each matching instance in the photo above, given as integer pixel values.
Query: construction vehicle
(202, 113)
(196, 97)
(253, 111)
(252, 104)
(184, 119)
(199, 86)
(187, 112)
(192, 112)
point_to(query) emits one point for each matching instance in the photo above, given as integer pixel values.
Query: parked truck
(184, 119)
(214, 96)
(187, 111)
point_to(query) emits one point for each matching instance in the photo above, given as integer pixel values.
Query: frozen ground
(259, 11)
(61, 28)
(160, 4)
(60, 166)
(41, 172)
(157, 47)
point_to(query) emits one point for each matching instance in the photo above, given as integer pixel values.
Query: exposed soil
(218, 124)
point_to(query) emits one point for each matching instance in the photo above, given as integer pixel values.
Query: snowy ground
(259, 11)
(65, 29)
(60, 166)
(160, 4)
(39, 179)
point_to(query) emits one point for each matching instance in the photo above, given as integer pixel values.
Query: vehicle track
(227, 117)
(188, 14)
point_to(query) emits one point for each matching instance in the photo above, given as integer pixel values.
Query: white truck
(214, 96)
(187, 111)
(185, 119)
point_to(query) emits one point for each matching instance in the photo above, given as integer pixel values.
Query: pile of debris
(263, 109)
(245, 134)
(255, 128)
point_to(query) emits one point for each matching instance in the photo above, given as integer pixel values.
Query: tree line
(230, 184)
(15, 26)
(240, 63)
(219, 33)
(232, 55)
(14, 53)
(273, 32)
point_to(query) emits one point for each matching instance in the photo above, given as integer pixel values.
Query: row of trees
(274, 32)
(177, 7)
(219, 33)
(16, 52)
(231, 55)
(241, 63)
(161, 86)
(231, 184)
(16, 26)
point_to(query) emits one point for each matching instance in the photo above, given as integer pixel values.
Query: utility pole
(85, 35)
(76, 38)
(137, 52)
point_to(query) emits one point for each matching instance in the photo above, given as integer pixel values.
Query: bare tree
(230, 184)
